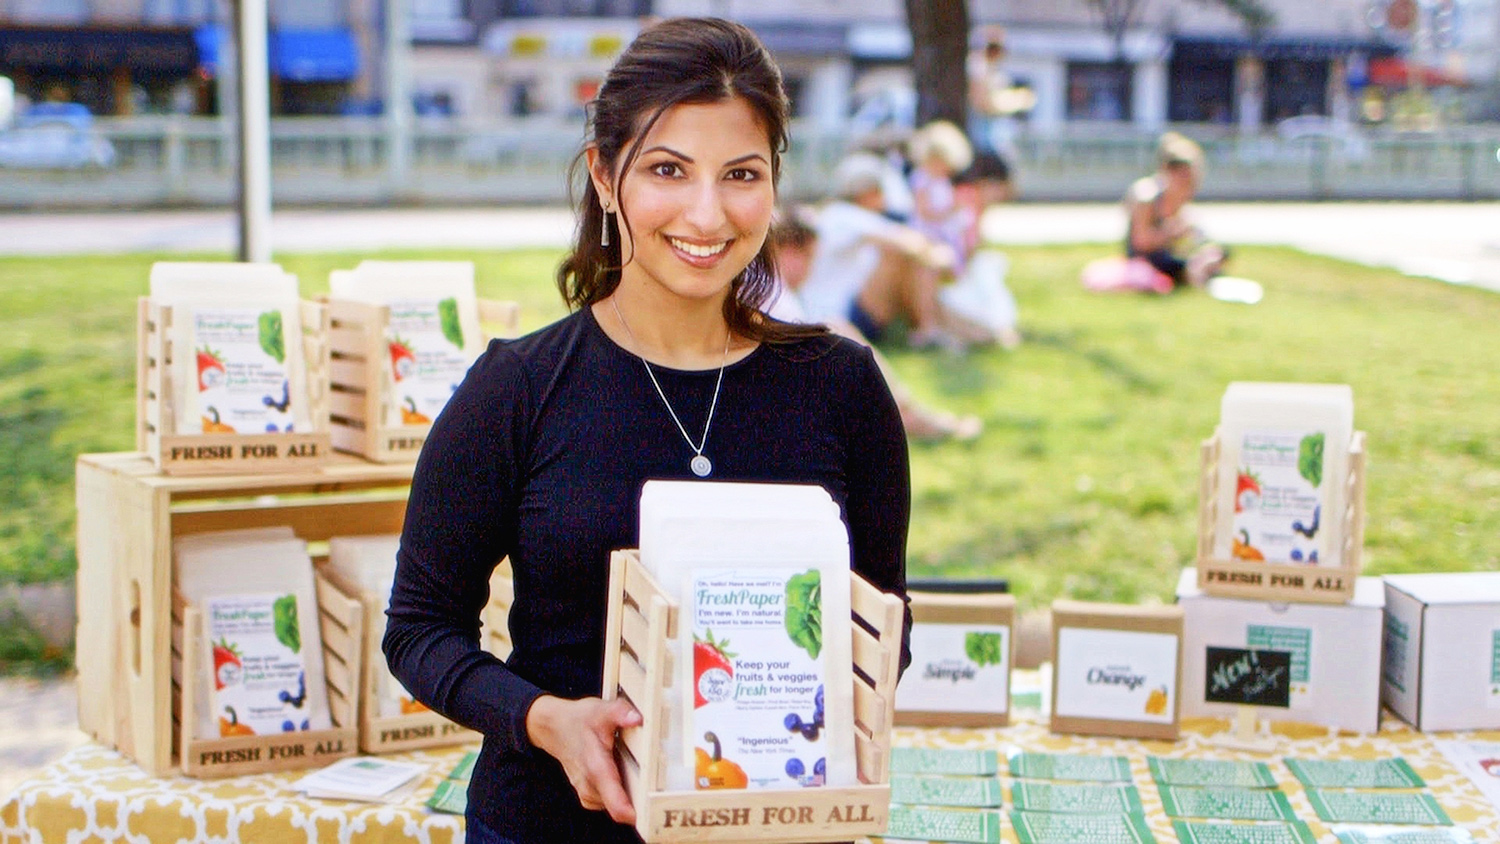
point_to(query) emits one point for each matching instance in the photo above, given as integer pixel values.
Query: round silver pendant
(700, 466)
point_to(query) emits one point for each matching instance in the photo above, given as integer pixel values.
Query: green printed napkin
(1056, 828)
(1377, 807)
(945, 791)
(1355, 773)
(1085, 799)
(970, 826)
(1221, 832)
(1240, 804)
(451, 796)
(975, 763)
(1067, 766)
(1220, 772)
(1389, 835)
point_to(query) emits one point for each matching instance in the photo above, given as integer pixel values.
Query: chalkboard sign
(1250, 677)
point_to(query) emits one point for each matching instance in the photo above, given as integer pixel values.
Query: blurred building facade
(1179, 61)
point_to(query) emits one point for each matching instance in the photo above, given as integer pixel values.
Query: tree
(939, 52)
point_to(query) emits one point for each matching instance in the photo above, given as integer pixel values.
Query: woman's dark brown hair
(675, 62)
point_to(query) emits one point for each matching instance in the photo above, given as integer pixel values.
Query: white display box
(1335, 652)
(1442, 650)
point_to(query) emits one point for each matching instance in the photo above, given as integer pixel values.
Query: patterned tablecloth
(94, 794)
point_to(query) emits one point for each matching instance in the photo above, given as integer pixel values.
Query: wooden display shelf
(642, 618)
(340, 624)
(358, 389)
(128, 516)
(1286, 582)
(179, 453)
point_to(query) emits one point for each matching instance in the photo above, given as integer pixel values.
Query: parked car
(55, 136)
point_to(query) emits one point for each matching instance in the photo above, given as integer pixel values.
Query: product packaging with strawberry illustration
(259, 672)
(763, 692)
(1283, 462)
(433, 333)
(243, 380)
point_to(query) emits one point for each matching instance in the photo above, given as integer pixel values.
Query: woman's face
(698, 199)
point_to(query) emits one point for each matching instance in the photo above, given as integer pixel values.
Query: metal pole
(255, 132)
(398, 92)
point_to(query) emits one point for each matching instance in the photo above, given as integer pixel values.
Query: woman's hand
(581, 735)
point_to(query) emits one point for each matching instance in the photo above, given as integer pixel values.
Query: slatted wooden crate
(178, 453)
(341, 625)
(390, 733)
(129, 514)
(637, 667)
(358, 389)
(1279, 581)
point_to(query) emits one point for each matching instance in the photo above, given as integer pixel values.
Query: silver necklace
(700, 465)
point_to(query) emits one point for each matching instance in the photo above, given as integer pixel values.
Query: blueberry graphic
(810, 732)
(818, 718)
(306, 724)
(793, 722)
(287, 726)
(1297, 555)
(794, 768)
(283, 696)
(820, 768)
(818, 699)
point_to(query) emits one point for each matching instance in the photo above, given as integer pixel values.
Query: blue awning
(314, 55)
(295, 55)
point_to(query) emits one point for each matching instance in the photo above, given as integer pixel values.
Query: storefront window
(1295, 87)
(1200, 91)
(1099, 91)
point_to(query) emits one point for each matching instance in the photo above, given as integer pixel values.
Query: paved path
(38, 723)
(1455, 242)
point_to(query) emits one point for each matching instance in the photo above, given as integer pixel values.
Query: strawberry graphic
(713, 668)
(403, 359)
(1246, 491)
(227, 665)
(210, 369)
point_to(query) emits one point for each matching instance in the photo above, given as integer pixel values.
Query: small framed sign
(1248, 677)
(962, 647)
(1116, 669)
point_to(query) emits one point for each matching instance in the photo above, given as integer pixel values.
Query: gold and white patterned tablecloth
(96, 795)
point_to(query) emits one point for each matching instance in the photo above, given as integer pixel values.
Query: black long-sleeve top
(540, 455)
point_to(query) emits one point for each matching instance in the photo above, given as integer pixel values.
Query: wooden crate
(219, 454)
(128, 515)
(637, 666)
(389, 733)
(1276, 581)
(341, 625)
(357, 385)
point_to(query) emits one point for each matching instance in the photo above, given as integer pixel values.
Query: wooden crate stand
(340, 623)
(637, 667)
(1276, 581)
(357, 384)
(390, 733)
(177, 453)
(129, 514)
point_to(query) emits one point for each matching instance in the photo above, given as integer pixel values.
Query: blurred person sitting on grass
(1160, 229)
(869, 270)
(795, 242)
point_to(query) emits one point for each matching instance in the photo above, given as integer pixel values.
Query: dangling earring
(604, 230)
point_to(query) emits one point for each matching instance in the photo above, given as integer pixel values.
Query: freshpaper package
(262, 670)
(761, 574)
(237, 362)
(368, 564)
(1283, 461)
(433, 336)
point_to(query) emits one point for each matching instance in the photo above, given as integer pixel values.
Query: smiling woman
(541, 454)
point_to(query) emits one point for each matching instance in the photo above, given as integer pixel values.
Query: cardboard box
(962, 649)
(1335, 648)
(1116, 669)
(1442, 650)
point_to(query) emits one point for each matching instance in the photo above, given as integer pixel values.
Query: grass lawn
(1084, 483)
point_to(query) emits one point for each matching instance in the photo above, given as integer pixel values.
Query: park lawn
(1084, 483)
